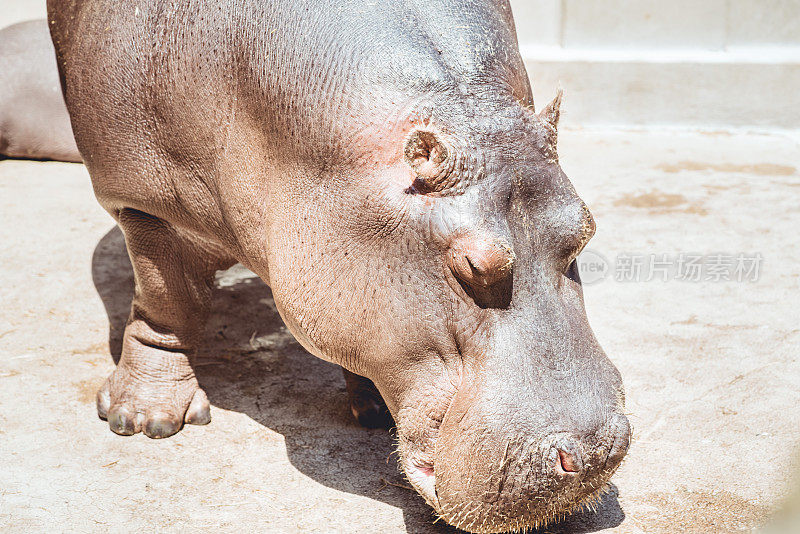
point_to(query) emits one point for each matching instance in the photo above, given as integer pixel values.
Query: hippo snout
(498, 471)
(572, 456)
(621, 430)
(486, 486)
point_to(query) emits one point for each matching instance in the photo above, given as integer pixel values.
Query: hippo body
(381, 167)
(34, 122)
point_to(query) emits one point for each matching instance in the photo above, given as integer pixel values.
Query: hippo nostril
(567, 462)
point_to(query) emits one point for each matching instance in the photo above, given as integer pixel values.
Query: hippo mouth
(422, 476)
(560, 478)
(573, 496)
(484, 472)
(417, 449)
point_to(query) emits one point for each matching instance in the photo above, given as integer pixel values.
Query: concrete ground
(711, 367)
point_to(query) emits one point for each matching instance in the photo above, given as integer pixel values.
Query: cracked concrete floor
(710, 367)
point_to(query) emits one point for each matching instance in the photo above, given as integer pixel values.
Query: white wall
(13, 11)
(704, 24)
(693, 63)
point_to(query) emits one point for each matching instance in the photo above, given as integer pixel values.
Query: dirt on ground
(710, 365)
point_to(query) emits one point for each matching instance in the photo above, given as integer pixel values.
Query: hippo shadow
(251, 364)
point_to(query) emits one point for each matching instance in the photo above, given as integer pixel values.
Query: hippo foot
(371, 412)
(366, 402)
(158, 409)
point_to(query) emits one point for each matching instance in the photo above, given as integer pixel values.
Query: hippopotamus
(34, 122)
(381, 166)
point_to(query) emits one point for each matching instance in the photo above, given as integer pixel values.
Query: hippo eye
(572, 271)
(585, 234)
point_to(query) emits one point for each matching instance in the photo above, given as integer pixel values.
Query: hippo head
(445, 272)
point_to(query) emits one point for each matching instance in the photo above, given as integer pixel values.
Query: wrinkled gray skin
(34, 122)
(379, 164)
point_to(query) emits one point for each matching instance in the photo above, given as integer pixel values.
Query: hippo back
(33, 119)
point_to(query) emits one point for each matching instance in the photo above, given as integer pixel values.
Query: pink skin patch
(566, 462)
(422, 477)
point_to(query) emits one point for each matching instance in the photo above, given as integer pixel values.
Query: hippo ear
(552, 112)
(427, 155)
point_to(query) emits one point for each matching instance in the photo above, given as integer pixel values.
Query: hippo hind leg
(366, 403)
(154, 389)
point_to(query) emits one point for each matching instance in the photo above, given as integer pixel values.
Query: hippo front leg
(366, 403)
(154, 389)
